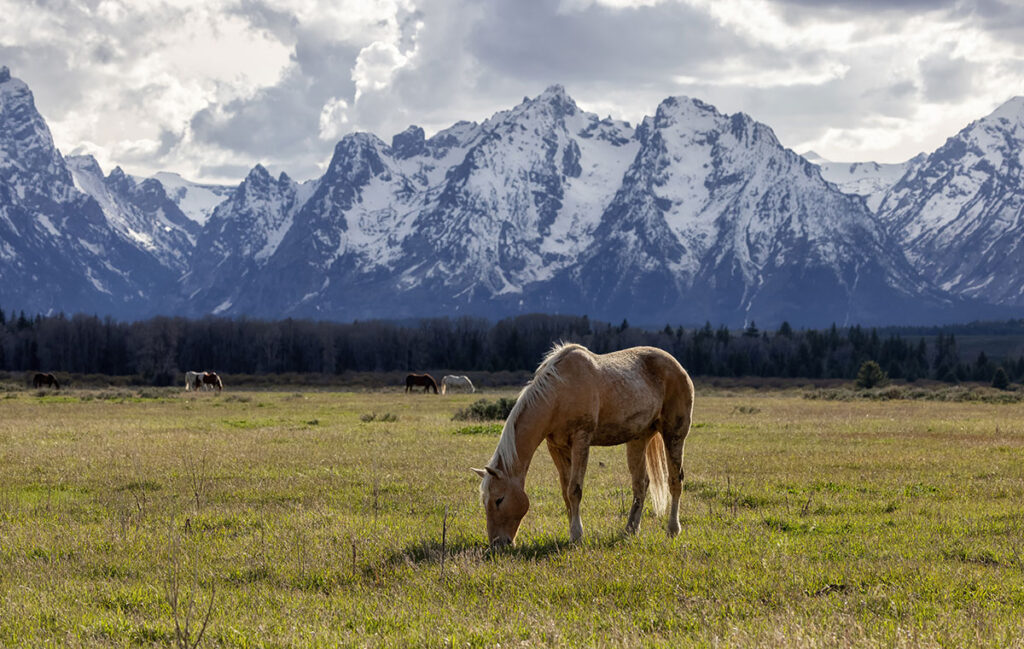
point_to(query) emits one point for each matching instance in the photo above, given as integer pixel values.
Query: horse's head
(505, 502)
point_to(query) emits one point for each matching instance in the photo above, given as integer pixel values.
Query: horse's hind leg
(674, 454)
(637, 462)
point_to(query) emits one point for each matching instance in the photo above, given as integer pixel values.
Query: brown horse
(640, 397)
(49, 380)
(211, 379)
(415, 380)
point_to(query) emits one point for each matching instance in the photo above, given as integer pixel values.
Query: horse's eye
(497, 503)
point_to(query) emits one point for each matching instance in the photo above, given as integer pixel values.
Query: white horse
(193, 380)
(452, 381)
(640, 397)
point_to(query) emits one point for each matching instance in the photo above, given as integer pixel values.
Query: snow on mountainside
(693, 215)
(57, 249)
(138, 210)
(196, 201)
(960, 213)
(716, 217)
(243, 231)
(868, 179)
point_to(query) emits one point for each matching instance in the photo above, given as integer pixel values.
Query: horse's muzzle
(500, 542)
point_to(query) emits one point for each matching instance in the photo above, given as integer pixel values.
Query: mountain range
(691, 215)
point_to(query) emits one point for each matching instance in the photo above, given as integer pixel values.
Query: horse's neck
(529, 434)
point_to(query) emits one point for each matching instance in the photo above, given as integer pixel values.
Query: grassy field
(316, 519)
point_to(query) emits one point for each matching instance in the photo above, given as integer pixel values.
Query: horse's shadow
(431, 551)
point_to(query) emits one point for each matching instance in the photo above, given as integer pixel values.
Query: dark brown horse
(49, 380)
(415, 380)
(211, 379)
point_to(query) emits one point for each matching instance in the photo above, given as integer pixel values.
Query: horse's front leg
(574, 489)
(561, 459)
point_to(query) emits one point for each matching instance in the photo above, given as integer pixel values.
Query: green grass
(806, 523)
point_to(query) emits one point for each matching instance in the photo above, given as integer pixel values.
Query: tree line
(159, 349)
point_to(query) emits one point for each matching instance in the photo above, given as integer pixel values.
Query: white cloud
(209, 87)
(333, 118)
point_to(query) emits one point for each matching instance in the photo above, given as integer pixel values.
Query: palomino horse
(193, 380)
(450, 381)
(211, 379)
(640, 397)
(415, 380)
(49, 380)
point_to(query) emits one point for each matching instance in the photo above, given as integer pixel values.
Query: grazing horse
(450, 381)
(49, 380)
(193, 380)
(427, 381)
(640, 397)
(211, 379)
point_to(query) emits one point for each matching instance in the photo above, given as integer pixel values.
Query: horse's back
(623, 393)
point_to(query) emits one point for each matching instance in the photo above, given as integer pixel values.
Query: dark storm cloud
(532, 40)
(282, 24)
(854, 6)
(946, 79)
(283, 120)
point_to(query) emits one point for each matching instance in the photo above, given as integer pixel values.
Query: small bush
(484, 410)
(372, 416)
(1000, 380)
(871, 375)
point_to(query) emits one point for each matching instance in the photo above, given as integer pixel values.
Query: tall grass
(806, 523)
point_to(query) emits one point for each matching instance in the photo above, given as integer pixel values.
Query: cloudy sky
(208, 88)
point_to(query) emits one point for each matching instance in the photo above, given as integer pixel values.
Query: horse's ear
(492, 472)
(479, 472)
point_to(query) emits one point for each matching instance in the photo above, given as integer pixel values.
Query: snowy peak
(29, 161)
(958, 214)
(1011, 111)
(872, 180)
(195, 200)
(410, 142)
(139, 211)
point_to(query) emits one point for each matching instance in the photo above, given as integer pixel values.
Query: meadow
(327, 518)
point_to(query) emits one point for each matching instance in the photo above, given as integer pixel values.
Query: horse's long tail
(657, 472)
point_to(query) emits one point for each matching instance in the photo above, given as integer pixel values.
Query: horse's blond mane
(538, 388)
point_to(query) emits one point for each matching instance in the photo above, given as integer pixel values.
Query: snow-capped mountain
(58, 251)
(694, 215)
(960, 214)
(691, 216)
(139, 211)
(715, 216)
(240, 235)
(872, 180)
(195, 200)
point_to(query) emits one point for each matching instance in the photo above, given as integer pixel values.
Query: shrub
(484, 410)
(1000, 380)
(871, 375)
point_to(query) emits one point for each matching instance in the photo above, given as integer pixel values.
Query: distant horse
(415, 380)
(212, 380)
(193, 380)
(450, 381)
(49, 380)
(640, 397)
